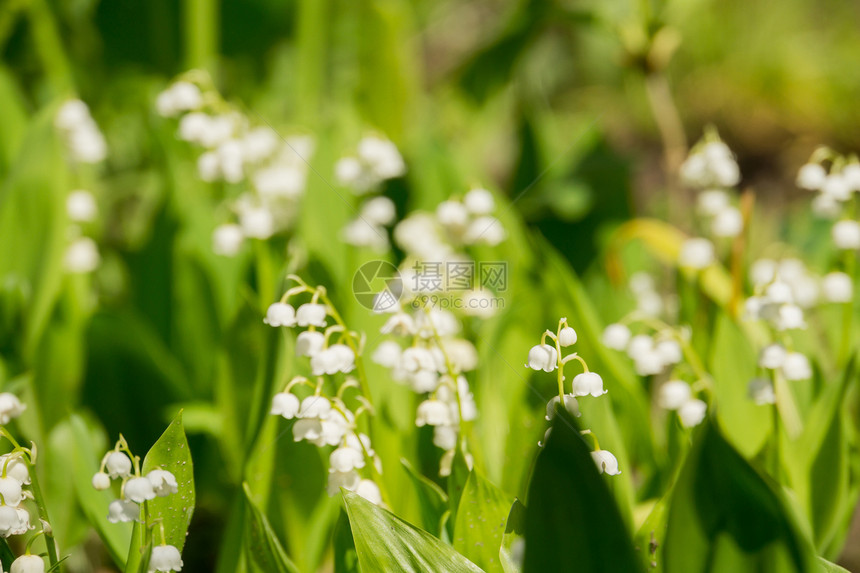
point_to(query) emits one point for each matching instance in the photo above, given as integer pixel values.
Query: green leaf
(432, 501)
(825, 566)
(262, 545)
(170, 452)
(94, 504)
(480, 522)
(510, 553)
(572, 521)
(385, 542)
(457, 482)
(723, 515)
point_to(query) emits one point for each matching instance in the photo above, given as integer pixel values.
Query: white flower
(570, 404)
(280, 181)
(437, 321)
(616, 336)
(806, 291)
(811, 176)
(416, 358)
(462, 354)
(335, 358)
(761, 391)
(163, 482)
(772, 356)
(10, 407)
(101, 481)
(796, 367)
(696, 253)
(347, 480)
(280, 314)
(673, 394)
(382, 156)
(165, 558)
(227, 240)
(648, 363)
(567, 336)
(15, 468)
(400, 324)
(692, 412)
(311, 314)
(790, 317)
(846, 234)
(433, 413)
(387, 354)
(826, 206)
(606, 462)
(347, 171)
(81, 206)
(123, 510)
(479, 202)
(259, 143)
(10, 521)
(424, 381)
(285, 404)
(445, 437)
(360, 443)
(669, 351)
(309, 429)
(837, 287)
(543, 357)
(361, 233)
(485, 230)
(118, 465)
(72, 114)
(334, 427)
(82, 256)
(728, 223)
(452, 214)
(763, 271)
(23, 521)
(138, 490)
(257, 222)
(639, 346)
(369, 491)
(28, 564)
(588, 383)
(315, 407)
(779, 292)
(209, 166)
(379, 211)
(836, 187)
(309, 343)
(712, 201)
(480, 303)
(344, 459)
(181, 96)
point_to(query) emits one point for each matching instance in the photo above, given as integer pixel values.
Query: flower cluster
(835, 179)
(83, 138)
(710, 164)
(270, 171)
(550, 358)
(135, 489)
(376, 160)
(427, 354)
(326, 420)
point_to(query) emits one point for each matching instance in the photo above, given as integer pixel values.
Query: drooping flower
(28, 564)
(692, 412)
(543, 357)
(606, 462)
(673, 394)
(138, 490)
(165, 558)
(285, 404)
(163, 482)
(280, 314)
(616, 336)
(433, 413)
(123, 510)
(570, 404)
(118, 465)
(588, 383)
(311, 314)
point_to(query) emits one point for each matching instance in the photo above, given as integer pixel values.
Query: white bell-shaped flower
(387, 354)
(616, 336)
(462, 354)
(669, 351)
(416, 358)
(811, 177)
(727, 223)
(28, 564)
(696, 253)
(163, 482)
(370, 491)
(452, 214)
(543, 357)
(640, 345)
(673, 394)
(82, 256)
(692, 412)
(81, 206)
(570, 404)
(360, 443)
(648, 363)
(344, 459)
(285, 404)
(227, 239)
(101, 481)
(772, 356)
(311, 314)
(379, 211)
(123, 510)
(335, 358)
(485, 230)
(796, 366)
(837, 287)
(837, 187)
(10, 521)
(23, 521)
(445, 437)
(606, 462)
(138, 490)
(479, 202)
(347, 480)
(588, 383)
(309, 429)
(10, 490)
(72, 114)
(567, 336)
(334, 427)
(711, 202)
(790, 317)
(16, 468)
(280, 314)
(846, 235)
(309, 343)
(315, 407)
(165, 558)
(761, 391)
(433, 413)
(400, 324)
(118, 465)
(424, 381)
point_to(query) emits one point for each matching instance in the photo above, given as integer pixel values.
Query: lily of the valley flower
(165, 558)
(543, 357)
(606, 462)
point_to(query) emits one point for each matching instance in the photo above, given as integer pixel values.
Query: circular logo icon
(377, 285)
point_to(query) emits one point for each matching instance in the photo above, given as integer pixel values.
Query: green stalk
(201, 34)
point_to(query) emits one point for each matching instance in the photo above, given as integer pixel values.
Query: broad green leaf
(825, 566)
(572, 521)
(480, 522)
(457, 483)
(262, 545)
(385, 542)
(170, 452)
(345, 556)
(94, 504)
(723, 515)
(511, 552)
(432, 501)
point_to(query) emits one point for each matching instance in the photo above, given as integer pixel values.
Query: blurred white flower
(335, 358)
(379, 211)
(101, 481)
(837, 287)
(180, 97)
(82, 256)
(692, 412)
(796, 367)
(761, 391)
(772, 356)
(616, 336)
(433, 413)
(123, 510)
(696, 253)
(479, 202)
(344, 459)
(846, 234)
(811, 176)
(309, 343)
(727, 223)
(387, 354)
(673, 394)
(347, 480)
(10, 407)
(369, 491)
(227, 240)
(711, 201)
(81, 206)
